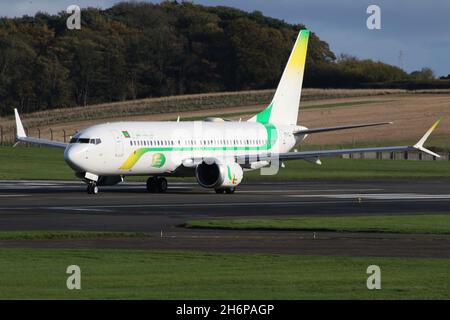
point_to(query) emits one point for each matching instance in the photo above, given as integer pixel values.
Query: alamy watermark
(74, 21)
(374, 280)
(373, 22)
(74, 280)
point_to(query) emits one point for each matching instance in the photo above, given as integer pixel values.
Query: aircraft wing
(245, 159)
(322, 153)
(21, 136)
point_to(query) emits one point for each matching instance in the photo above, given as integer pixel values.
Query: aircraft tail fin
(21, 136)
(285, 104)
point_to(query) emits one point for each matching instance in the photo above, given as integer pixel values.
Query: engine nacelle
(218, 175)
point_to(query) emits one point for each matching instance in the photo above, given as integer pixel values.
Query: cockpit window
(95, 141)
(86, 140)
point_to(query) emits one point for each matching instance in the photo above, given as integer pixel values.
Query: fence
(407, 155)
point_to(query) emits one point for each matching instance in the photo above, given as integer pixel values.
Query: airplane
(215, 151)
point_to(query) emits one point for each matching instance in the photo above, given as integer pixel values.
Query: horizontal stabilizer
(318, 130)
(308, 155)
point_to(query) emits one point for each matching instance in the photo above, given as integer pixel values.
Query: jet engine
(218, 175)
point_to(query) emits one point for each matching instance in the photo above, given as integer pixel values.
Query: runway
(53, 205)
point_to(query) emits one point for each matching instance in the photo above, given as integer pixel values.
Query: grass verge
(40, 235)
(127, 274)
(33, 163)
(337, 168)
(436, 224)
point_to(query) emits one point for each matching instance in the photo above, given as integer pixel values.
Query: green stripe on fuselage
(264, 116)
(272, 136)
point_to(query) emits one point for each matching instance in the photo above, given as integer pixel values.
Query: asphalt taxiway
(54, 205)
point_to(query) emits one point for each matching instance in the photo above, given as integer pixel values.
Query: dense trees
(423, 74)
(136, 50)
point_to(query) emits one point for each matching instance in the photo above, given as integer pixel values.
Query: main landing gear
(226, 190)
(92, 187)
(156, 184)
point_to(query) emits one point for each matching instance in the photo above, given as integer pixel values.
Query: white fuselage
(155, 148)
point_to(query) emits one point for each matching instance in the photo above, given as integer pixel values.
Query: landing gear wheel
(220, 190)
(230, 190)
(155, 184)
(152, 185)
(92, 188)
(162, 184)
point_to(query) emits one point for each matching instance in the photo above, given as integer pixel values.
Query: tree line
(139, 50)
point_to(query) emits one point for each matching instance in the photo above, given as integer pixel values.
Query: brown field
(412, 113)
(412, 116)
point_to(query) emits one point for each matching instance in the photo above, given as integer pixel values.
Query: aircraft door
(284, 138)
(118, 142)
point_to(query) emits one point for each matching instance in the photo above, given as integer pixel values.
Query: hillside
(143, 50)
(319, 108)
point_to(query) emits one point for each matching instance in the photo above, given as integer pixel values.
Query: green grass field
(113, 274)
(435, 223)
(38, 235)
(48, 163)
(33, 163)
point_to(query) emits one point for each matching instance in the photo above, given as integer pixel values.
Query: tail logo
(232, 177)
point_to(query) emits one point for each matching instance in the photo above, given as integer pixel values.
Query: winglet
(419, 144)
(20, 131)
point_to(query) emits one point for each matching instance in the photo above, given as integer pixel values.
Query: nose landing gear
(92, 187)
(156, 184)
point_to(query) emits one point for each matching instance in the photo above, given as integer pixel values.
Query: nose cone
(74, 156)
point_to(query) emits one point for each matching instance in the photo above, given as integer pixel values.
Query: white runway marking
(215, 205)
(236, 204)
(305, 190)
(13, 195)
(77, 209)
(377, 196)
